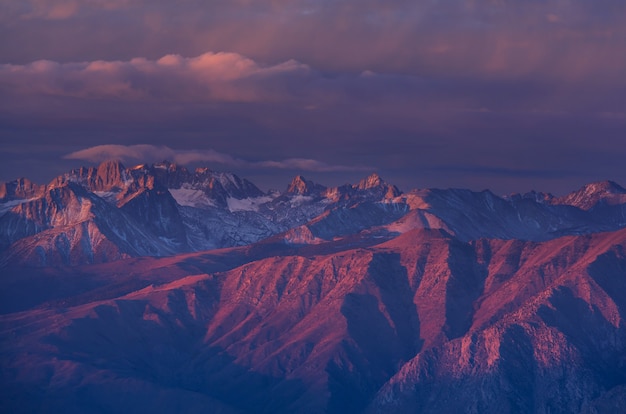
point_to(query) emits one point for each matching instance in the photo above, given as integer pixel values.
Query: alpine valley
(160, 289)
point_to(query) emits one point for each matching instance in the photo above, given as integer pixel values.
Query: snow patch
(417, 219)
(191, 198)
(298, 200)
(247, 204)
(108, 196)
(227, 178)
(6, 206)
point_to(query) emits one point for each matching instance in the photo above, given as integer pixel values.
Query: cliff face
(19, 189)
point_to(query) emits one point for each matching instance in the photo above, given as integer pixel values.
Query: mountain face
(159, 289)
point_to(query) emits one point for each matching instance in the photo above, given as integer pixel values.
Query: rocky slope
(353, 299)
(422, 322)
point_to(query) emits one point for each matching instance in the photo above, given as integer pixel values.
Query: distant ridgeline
(158, 289)
(109, 212)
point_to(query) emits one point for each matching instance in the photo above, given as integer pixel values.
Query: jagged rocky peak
(372, 181)
(218, 186)
(202, 171)
(170, 175)
(588, 196)
(65, 204)
(375, 182)
(607, 186)
(232, 186)
(165, 165)
(22, 188)
(110, 173)
(301, 186)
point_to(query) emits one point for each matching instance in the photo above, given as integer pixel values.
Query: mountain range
(156, 288)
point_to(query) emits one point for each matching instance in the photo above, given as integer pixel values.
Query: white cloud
(145, 152)
(152, 153)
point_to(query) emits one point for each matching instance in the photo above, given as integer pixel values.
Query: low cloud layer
(152, 153)
(230, 78)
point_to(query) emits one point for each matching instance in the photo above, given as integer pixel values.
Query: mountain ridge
(376, 328)
(192, 211)
(155, 287)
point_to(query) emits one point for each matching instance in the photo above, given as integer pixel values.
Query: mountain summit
(301, 186)
(374, 183)
(371, 181)
(590, 195)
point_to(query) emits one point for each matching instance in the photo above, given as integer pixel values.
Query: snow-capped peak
(591, 194)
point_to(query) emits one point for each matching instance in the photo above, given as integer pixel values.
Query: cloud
(152, 153)
(145, 152)
(304, 164)
(45, 86)
(553, 38)
(61, 9)
(224, 77)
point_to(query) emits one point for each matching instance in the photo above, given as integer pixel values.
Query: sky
(483, 94)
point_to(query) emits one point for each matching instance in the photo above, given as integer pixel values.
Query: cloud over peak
(151, 153)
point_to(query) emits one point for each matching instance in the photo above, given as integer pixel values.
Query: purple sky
(498, 94)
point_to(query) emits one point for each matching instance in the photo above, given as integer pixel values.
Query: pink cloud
(150, 153)
(429, 38)
(224, 77)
